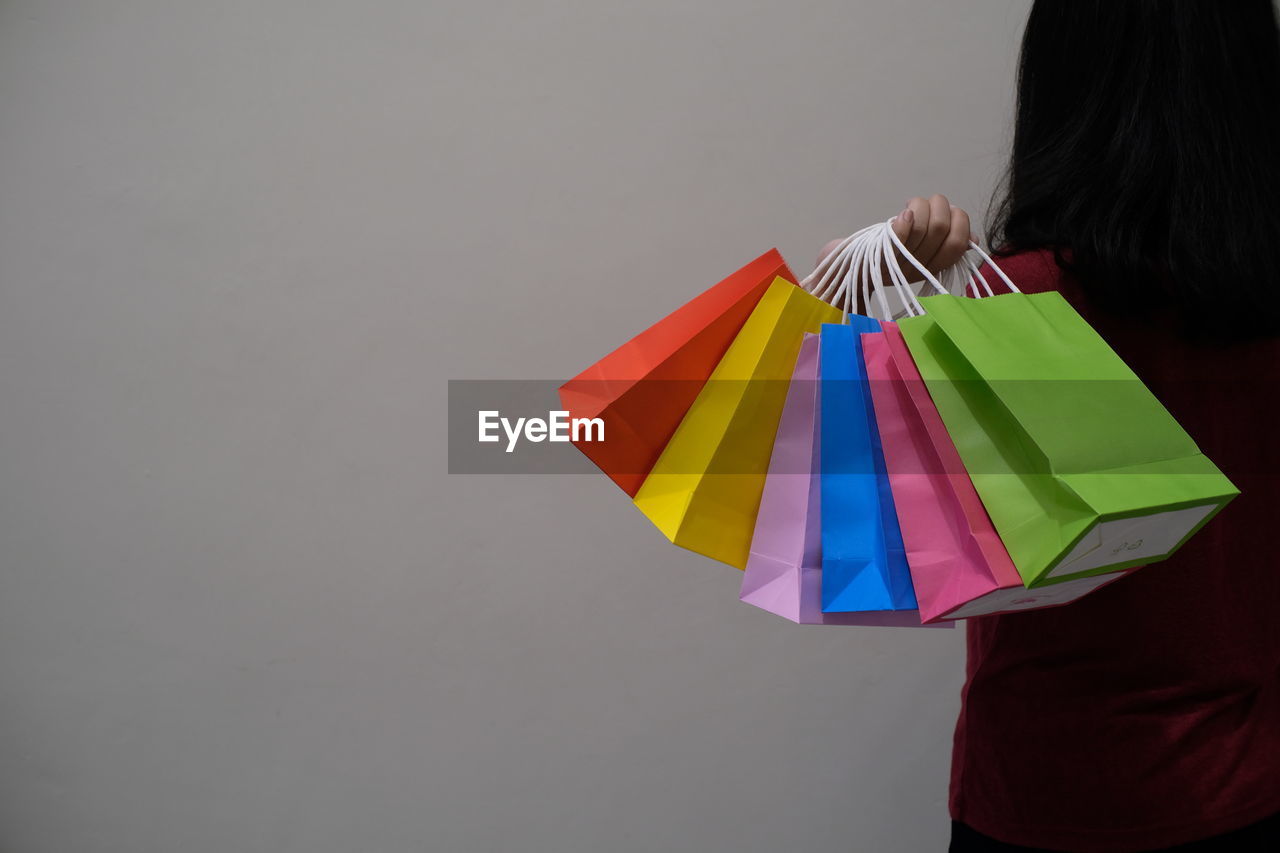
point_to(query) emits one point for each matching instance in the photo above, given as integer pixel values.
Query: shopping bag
(784, 569)
(959, 567)
(704, 489)
(863, 562)
(641, 390)
(1080, 468)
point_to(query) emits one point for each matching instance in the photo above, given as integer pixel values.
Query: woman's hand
(935, 233)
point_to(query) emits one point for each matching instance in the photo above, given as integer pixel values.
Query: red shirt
(1146, 714)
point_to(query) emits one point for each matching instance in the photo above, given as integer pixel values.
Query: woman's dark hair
(1146, 153)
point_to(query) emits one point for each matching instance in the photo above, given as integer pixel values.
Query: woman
(1144, 186)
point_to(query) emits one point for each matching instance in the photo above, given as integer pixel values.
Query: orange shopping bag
(643, 389)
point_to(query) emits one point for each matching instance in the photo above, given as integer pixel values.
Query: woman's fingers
(902, 225)
(935, 232)
(917, 214)
(955, 244)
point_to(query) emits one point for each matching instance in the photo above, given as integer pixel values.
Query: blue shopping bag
(864, 565)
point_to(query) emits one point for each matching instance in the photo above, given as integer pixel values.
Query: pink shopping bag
(958, 564)
(784, 570)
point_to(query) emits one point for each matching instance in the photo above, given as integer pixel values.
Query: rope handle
(860, 258)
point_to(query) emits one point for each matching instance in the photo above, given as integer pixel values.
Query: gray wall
(244, 244)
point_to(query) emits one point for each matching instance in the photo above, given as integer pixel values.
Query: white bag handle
(856, 259)
(821, 282)
(859, 258)
(835, 278)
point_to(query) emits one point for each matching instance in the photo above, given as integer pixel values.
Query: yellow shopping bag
(704, 491)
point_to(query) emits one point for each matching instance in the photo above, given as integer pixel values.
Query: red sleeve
(1148, 713)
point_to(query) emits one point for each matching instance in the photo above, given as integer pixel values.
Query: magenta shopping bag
(784, 570)
(958, 564)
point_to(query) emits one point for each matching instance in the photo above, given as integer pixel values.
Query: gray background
(244, 244)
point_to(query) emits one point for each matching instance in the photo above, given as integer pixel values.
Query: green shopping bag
(1080, 467)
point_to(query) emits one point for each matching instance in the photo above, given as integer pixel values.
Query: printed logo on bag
(1126, 546)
